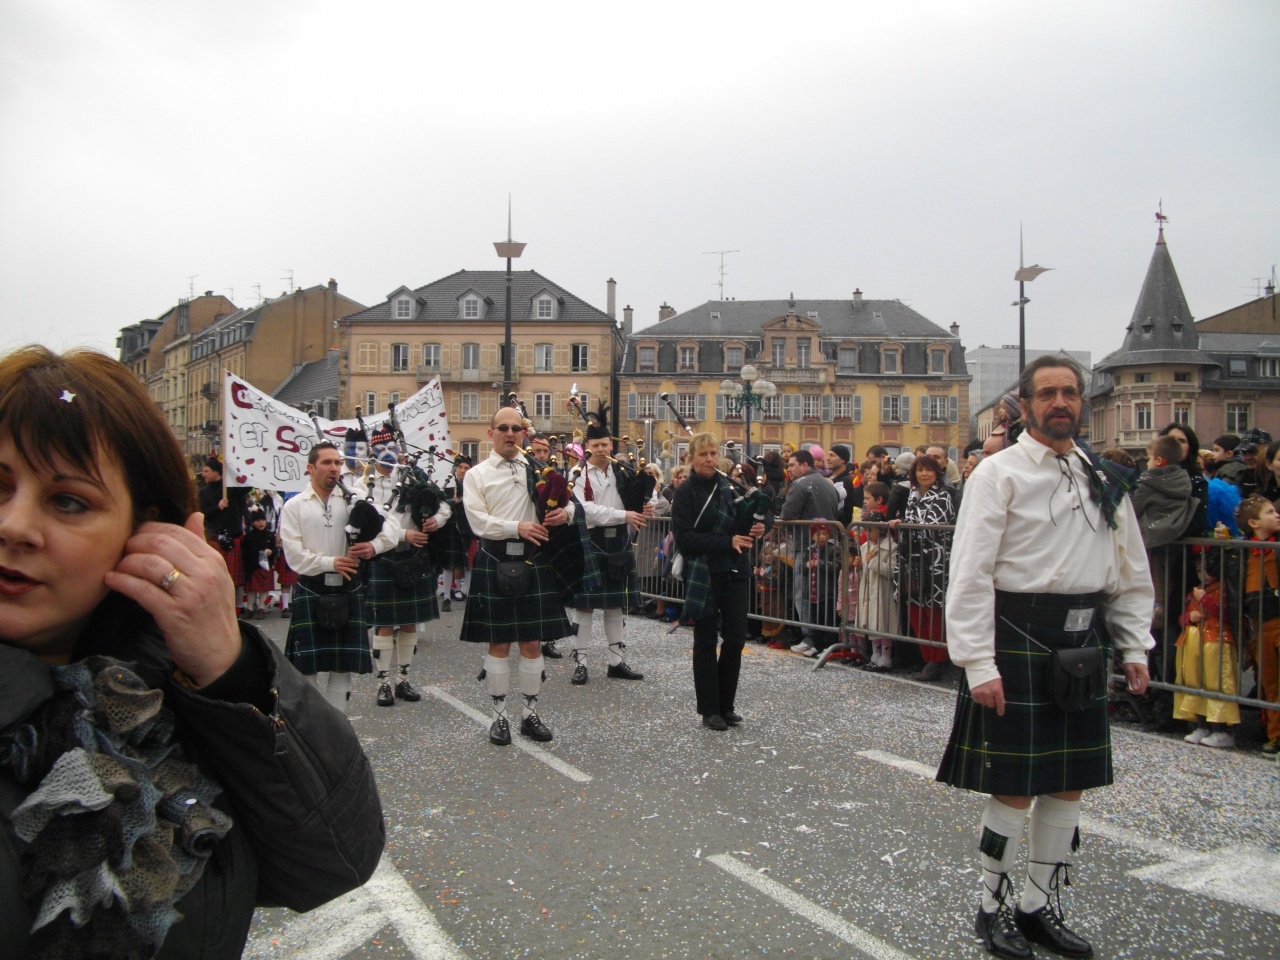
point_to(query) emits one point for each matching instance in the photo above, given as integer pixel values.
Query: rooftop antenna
(232, 291)
(257, 288)
(191, 286)
(720, 254)
(289, 277)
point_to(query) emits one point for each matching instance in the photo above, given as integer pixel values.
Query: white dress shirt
(604, 509)
(383, 486)
(1025, 527)
(496, 498)
(313, 531)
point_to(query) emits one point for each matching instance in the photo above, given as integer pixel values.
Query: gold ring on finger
(169, 580)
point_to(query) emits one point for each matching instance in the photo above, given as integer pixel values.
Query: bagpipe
(364, 522)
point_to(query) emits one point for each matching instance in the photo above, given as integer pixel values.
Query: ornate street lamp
(752, 395)
(510, 249)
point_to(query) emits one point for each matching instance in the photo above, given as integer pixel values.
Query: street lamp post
(752, 396)
(510, 249)
(1024, 276)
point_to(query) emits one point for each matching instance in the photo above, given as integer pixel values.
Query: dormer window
(404, 309)
(688, 358)
(544, 309)
(471, 308)
(890, 361)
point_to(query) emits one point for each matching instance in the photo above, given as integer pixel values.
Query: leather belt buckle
(515, 549)
(610, 532)
(333, 580)
(1078, 620)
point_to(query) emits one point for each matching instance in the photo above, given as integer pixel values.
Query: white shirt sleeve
(971, 592)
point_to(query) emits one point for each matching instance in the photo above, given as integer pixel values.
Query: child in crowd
(1207, 660)
(822, 580)
(859, 653)
(877, 607)
(257, 550)
(1162, 501)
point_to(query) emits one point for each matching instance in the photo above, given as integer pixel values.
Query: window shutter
(719, 406)
(524, 357)
(826, 408)
(702, 407)
(488, 356)
(906, 409)
(561, 364)
(953, 409)
(857, 408)
(632, 403)
(660, 411)
(886, 409)
(592, 355)
(415, 356)
(386, 358)
(488, 405)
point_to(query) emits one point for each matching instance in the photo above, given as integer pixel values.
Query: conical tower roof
(1161, 329)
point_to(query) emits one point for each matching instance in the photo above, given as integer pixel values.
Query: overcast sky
(889, 146)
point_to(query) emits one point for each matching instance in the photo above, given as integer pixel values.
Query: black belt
(598, 533)
(317, 585)
(1057, 611)
(498, 548)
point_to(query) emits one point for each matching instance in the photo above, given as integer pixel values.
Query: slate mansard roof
(866, 319)
(438, 301)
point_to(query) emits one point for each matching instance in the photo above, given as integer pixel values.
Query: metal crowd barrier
(888, 582)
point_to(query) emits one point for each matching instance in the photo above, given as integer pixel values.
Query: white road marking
(861, 940)
(550, 759)
(415, 924)
(1246, 876)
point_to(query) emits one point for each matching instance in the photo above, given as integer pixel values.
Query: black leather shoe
(385, 699)
(731, 718)
(1045, 927)
(579, 675)
(533, 728)
(1000, 935)
(549, 651)
(713, 721)
(500, 732)
(620, 671)
(447, 605)
(405, 691)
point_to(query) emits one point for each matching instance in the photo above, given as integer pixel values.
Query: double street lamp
(742, 398)
(507, 248)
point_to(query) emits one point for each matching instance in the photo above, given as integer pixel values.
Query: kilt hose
(600, 589)
(1035, 748)
(393, 606)
(493, 618)
(313, 650)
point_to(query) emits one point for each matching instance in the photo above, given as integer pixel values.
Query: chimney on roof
(208, 293)
(665, 312)
(627, 314)
(955, 329)
(611, 298)
(333, 285)
(857, 295)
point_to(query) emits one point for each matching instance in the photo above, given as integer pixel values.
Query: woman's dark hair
(1192, 463)
(926, 461)
(748, 473)
(81, 406)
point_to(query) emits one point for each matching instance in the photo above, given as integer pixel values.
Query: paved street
(811, 831)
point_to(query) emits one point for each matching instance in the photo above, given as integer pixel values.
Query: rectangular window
(395, 397)
(935, 409)
(732, 359)
(895, 409)
(542, 406)
(431, 356)
(399, 357)
(1142, 378)
(847, 358)
(1182, 414)
(779, 347)
(1269, 367)
(370, 403)
(471, 356)
(648, 360)
(843, 407)
(366, 356)
(581, 356)
(544, 308)
(1237, 417)
(1238, 368)
(771, 407)
(542, 357)
(1142, 416)
(891, 361)
(687, 404)
(644, 404)
(812, 406)
(938, 361)
(404, 309)
(470, 407)
(470, 448)
(471, 309)
(1182, 378)
(802, 353)
(686, 358)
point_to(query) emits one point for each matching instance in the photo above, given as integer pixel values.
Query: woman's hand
(196, 611)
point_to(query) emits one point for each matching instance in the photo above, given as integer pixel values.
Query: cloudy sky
(892, 146)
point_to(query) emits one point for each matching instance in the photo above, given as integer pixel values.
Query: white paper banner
(265, 443)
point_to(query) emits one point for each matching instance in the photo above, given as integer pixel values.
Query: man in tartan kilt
(609, 574)
(1047, 558)
(314, 537)
(402, 582)
(514, 594)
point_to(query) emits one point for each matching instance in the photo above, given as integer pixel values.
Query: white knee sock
(286, 597)
(582, 639)
(338, 690)
(1001, 838)
(1049, 838)
(381, 653)
(497, 681)
(464, 582)
(613, 621)
(406, 647)
(530, 683)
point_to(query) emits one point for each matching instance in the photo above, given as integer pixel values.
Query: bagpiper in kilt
(402, 583)
(1048, 574)
(514, 596)
(329, 628)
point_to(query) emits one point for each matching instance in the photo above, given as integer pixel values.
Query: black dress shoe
(731, 718)
(549, 650)
(533, 728)
(713, 721)
(620, 671)
(579, 675)
(500, 732)
(385, 699)
(447, 605)
(405, 691)
(1000, 935)
(1045, 927)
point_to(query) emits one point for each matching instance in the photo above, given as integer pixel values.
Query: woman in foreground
(163, 769)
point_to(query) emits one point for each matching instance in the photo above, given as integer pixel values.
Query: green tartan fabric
(313, 650)
(599, 592)
(492, 618)
(1034, 748)
(564, 555)
(392, 606)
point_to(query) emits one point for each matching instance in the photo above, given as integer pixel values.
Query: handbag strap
(705, 505)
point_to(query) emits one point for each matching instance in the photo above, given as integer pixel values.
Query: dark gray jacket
(810, 497)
